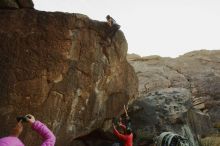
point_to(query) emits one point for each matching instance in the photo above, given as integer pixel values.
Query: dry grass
(210, 141)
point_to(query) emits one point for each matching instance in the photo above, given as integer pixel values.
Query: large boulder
(175, 93)
(61, 68)
(161, 110)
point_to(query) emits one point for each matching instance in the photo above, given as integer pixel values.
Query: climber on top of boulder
(13, 140)
(113, 27)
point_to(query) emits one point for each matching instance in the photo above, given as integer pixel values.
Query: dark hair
(128, 130)
(108, 17)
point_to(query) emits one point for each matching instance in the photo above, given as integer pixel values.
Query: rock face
(16, 4)
(61, 68)
(177, 93)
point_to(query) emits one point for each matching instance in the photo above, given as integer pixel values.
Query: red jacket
(128, 139)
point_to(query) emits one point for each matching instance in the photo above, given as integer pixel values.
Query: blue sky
(153, 27)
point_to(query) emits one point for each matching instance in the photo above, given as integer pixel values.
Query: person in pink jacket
(13, 140)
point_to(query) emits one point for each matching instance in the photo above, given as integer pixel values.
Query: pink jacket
(48, 137)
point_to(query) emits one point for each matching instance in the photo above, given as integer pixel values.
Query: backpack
(171, 139)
